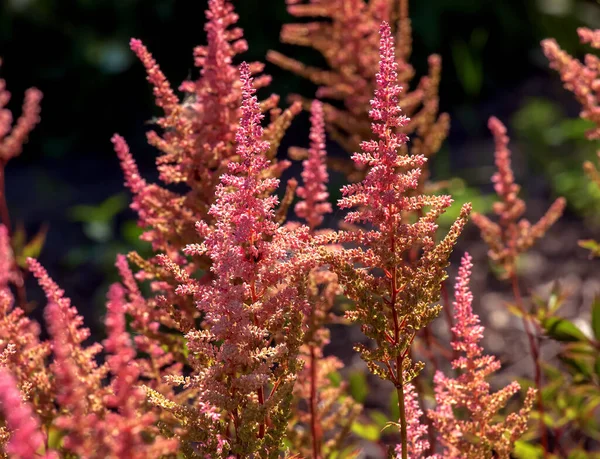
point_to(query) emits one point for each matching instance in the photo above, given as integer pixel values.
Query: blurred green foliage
(556, 145)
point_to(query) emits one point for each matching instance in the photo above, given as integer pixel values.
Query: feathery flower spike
(394, 306)
(512, 235)
(480, 435)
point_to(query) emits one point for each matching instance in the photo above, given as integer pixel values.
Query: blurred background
(76, 52)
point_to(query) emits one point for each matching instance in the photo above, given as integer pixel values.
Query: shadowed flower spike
(480, 435)
(512, 235)
(314, 193)
(395, 292)
(346, 34)
(26, 439)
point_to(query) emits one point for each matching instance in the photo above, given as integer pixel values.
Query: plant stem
(314, 422)
(535, 355)
(401, 408)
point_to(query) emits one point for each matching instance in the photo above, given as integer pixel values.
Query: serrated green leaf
(563, 330)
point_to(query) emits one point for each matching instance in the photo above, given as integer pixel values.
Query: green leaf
(368, 432)
(596, 317)
(335, 378)
(525, 450)
(379, 418)
(359, 388)
(592, 246)
(394, 410)
(563, 330)
(33, 248)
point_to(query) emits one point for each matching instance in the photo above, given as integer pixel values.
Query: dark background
(76, 52)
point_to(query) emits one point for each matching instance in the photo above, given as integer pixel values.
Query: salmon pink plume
(22, 437)
(512, 235)
(481, 432)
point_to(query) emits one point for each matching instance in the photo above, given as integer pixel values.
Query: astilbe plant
(244, 359)
(348, 39)
(479, 434)
(96, 420)
(394, 295)
(583, 80)
(511, 237)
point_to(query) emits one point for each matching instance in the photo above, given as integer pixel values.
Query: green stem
(401, 408)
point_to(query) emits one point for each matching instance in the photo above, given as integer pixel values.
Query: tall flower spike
(479, 434)
(314, 174)
(512, 235)
(392, 307)
(244, 358)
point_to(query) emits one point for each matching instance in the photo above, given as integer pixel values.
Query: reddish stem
(314, 421)
(535, 354)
